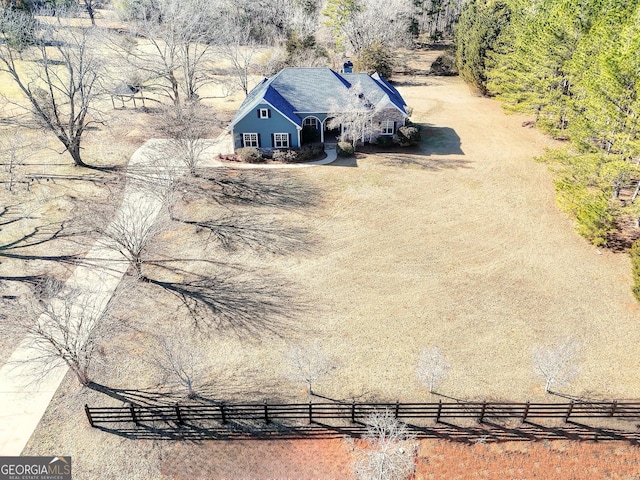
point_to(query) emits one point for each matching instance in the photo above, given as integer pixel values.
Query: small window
(250, 140)
(280, 140)
(387, 127)
(310, 122)
(264, 113)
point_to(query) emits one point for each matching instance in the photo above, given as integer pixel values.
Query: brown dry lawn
(459, 245)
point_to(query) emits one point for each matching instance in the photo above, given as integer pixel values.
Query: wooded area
(573, 65)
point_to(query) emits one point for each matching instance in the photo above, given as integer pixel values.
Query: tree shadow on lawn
(436, 141)
(440, 141)
(263, 227)
(404, 160)
(37, 236)
(247, 305)
(258, 188)
(254, 231)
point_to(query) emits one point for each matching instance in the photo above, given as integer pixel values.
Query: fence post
(134, 417)
(310, 412)
(439, 411)
(353, 411)
(223, 414)
(397, 407)
(266, 413)
(178, 414)
(569, 410)
(482, 412)
(614, 405)
(88, 412)
(526, 411)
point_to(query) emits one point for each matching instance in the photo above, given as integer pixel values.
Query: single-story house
(292, 108)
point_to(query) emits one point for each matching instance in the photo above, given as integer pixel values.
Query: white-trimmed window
(280, 140)
(310, 122)
(387, 127)
(263, 113)
(250, 140)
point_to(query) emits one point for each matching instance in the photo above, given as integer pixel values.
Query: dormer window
(264, 113)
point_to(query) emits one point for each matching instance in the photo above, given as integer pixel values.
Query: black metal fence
(354, 412)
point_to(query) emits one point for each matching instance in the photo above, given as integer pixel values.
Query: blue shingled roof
(278, 102)
(295, 91)
(311, 89)
(393, 92)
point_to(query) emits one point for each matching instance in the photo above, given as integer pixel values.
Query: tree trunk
(175, 89)
(80, 373)
(137, 265)
(635, 193)
(91, 12)
(74, 151)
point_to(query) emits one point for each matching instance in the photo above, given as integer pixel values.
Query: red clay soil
(330, 459)
(258, 459)
(557, 460)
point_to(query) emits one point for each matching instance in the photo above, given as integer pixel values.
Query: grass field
(458, 245)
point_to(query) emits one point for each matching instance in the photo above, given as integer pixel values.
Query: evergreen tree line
(574, 66)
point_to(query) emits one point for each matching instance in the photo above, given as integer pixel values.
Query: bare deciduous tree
(61, 80)
(389, 451)
(184, 126)
(159, 178)
(309, 363)
(436, 18)
(179, 363)
(173, 56)
(91, 6)
(67, 324)
(131, 232)
(354, 115)
(361, 23)
(14, 152)
(432, 368)
(558, 362)
(238, 47)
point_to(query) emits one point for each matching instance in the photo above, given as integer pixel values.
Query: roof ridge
(345, 82)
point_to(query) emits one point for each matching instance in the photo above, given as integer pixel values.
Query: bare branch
(389, 451)
(170, 45)
(131, 230)
(179, 363)
(354, 114)
(61, 78)
(432, 368)
(557, 363)
(66, 324)
(309, 363)
(184, 126)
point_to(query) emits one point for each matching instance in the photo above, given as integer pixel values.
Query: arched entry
(330, 135)
(312, 130)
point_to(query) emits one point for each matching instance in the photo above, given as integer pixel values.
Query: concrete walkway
(25, 393)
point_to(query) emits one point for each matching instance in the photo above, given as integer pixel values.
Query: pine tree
(477, 35)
